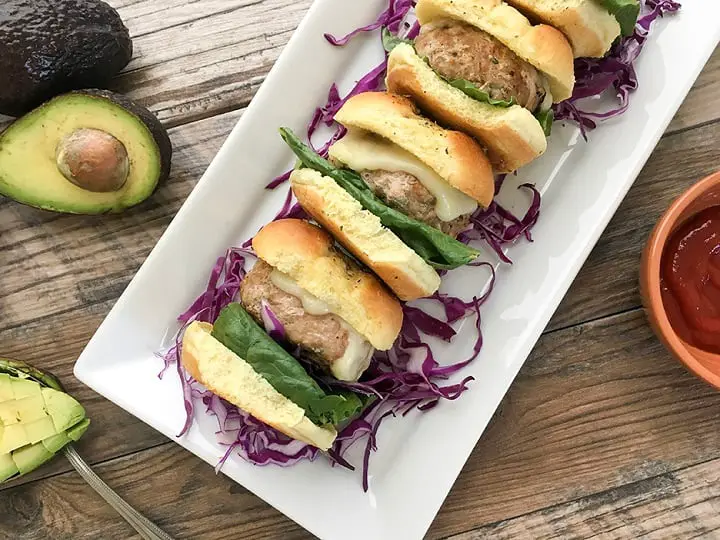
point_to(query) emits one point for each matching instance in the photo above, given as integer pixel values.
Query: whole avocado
(48, 47)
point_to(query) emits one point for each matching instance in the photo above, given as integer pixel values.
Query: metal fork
(146, 528)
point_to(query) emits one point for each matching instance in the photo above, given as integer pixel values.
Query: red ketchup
(690, 280)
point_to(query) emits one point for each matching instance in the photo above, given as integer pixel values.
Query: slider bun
(306, 254)
(512, 135)
(227, 375)
(541, 45)
(362, 233)
(454, 156)
(589, 27)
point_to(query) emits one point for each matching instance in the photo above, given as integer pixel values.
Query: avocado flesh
(8, 469)
(35, 423)
(30, 457)
(28, 167)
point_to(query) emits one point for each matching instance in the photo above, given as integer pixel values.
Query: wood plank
(703, 102)
(608, 282)
(682, 504)
(198, 59)
(170, 486)
(596, 408)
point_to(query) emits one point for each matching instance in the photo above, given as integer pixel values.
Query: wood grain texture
(205, 57)
(681, 504)
(596, 408)
(173, 488)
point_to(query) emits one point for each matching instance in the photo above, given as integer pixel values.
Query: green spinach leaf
(477, 93)
(437, 248)
(390, 41)
(546, 120)
(239, 332)
(626, 12)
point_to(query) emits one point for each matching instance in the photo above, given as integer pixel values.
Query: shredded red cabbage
(407, 376)
(391, 19)
(594, 76)
(500, 227)
(273, 326)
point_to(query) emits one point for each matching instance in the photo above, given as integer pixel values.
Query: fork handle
(146, 528)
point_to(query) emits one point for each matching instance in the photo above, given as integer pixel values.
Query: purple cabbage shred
(595, 76)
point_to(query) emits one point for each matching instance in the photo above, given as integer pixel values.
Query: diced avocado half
(85, 152)
(35, 423)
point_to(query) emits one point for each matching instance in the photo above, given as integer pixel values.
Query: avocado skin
(49, 47)
(158, 131)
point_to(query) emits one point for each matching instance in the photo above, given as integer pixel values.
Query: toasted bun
(362, 233)
(541, 45)
(305, 253)
(227, 375)
(453, 155)
(589, 27)
(512, 135)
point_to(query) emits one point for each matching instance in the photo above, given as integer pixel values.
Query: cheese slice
(362, 151)
(356, 358)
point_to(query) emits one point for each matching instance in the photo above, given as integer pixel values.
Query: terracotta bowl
(702, 195)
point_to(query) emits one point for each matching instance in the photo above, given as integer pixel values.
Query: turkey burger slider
(481, 67)
(337, 313)
(397, 191)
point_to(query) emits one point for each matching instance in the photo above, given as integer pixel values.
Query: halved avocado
(85, 152)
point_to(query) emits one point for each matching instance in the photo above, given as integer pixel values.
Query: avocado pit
(93, 160)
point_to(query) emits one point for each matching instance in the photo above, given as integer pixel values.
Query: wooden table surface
(602, 435)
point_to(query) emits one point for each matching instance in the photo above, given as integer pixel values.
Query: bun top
(453, 155)
(306, 253)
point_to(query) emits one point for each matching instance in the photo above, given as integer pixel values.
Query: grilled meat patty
(406, 194)
(323, 337)
(458, 50)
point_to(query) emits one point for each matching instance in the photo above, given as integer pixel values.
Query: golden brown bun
(227, 375)
(362, 233)
(512, 135)
(306, 254)
(454, 156)
(541, 45)
(589, 27)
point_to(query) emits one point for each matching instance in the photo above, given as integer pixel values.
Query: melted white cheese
(311, 304)
(356, 357)
(362, 152)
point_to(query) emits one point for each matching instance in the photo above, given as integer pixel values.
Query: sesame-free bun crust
(227, 375)
(305, 252)
(511, 135)
(362, 233)
(541, 45)
(455, 156)
(589, 27)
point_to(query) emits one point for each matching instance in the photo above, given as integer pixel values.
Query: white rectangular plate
(420, 456)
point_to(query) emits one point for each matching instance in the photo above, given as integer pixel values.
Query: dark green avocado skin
(48, 47)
